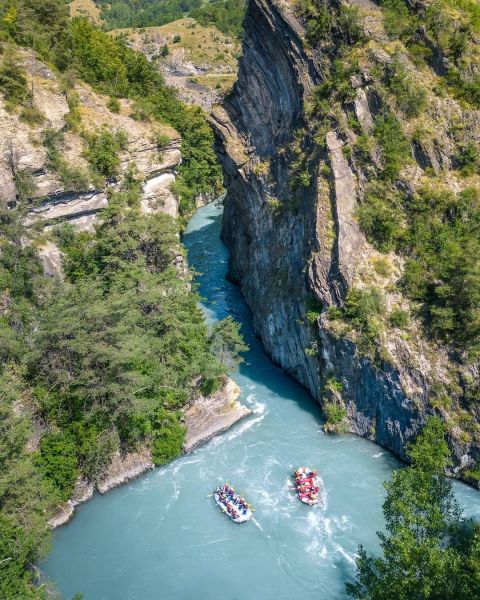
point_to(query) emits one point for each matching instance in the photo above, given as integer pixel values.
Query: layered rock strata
(290, 249)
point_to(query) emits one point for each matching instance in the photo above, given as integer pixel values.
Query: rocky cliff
(49, 195)
(294, 186)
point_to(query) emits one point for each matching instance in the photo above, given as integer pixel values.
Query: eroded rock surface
(291, 248)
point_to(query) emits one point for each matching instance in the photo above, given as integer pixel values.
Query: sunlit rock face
(291, 248)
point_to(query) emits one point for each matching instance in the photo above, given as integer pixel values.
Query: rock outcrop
(297, 245)
(49, 200)
(212, 415)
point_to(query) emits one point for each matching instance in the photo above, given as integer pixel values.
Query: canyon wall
(294, 247)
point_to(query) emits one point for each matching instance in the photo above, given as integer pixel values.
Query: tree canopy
(429, 551)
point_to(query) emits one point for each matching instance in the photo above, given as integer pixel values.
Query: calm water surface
(161, 538)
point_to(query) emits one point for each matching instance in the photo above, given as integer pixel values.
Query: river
(162, 538)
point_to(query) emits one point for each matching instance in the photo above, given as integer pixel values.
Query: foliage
(13, 82)
(227, 343)
(468, 159)
(428, 552)
(380, 216)
(395, 148)
(410, 97)
(58, 461)
(113, 104)
(72, 178)
(42, 26)
(168, 436)
(25, 497)
(363, 309)
(103, 152)
(443, 269)
(226, 15)
(335, 415)
(24, 184)
(399, 318)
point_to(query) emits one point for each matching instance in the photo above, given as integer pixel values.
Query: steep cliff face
(296, 246)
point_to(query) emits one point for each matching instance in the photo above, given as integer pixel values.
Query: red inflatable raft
(306, 485)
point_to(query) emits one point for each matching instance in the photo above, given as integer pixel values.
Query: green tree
(427, 544)
(227, 343)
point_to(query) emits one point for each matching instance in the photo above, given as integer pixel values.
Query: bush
(24, 184)
(161, 140)
(32, 116)
(410, 96)
(361, 305)
(442, 269)
(395, 147)
(335, 416)
(399, 318)
(168, 436)
(13, 83)
(58, 461)
(103, 152)
(399, 23)
(363, 309)
(468, 159)
(380, 216)
(113, 104)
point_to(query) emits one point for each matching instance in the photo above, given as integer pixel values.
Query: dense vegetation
(435, 229)
(226, 15)
(144, 13)
(103, 360)
(429, 551)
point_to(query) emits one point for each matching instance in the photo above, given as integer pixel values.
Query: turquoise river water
(162, 538)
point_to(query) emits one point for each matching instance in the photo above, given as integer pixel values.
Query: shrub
(73, 178)
(363, 308)
(395, 147)
(13, 83)
(380, 216)
(335, 416)
(24, 184)
(32, 116)
(103, 152)
(443, 245)
(399, 318)
(168, 436)
(58, 461)
(313, 310)
(468, 159)
(113, 104)
(361, 305)
(410, 96)
(397, 18)
(351, 23)
(177, 39)
(334, 385)
(161, 140)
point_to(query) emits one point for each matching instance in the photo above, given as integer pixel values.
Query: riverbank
(205, 418)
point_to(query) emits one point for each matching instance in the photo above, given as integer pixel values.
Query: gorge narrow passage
(160, 537)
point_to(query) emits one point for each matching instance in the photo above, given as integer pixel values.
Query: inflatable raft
(307, 486)
(233, 505)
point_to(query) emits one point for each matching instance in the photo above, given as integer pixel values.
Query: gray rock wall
(285, 254)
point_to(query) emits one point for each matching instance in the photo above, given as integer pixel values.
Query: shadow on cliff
(208, 256)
